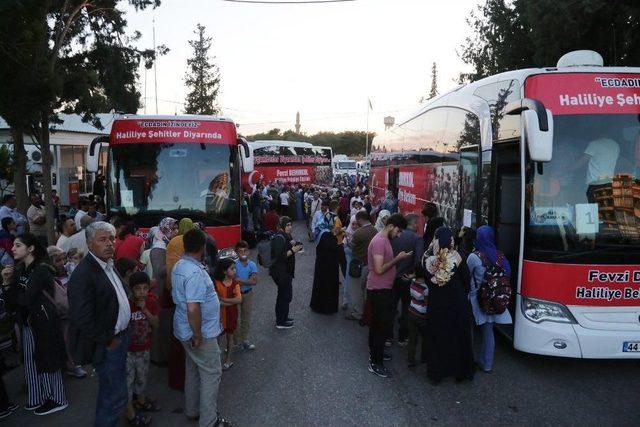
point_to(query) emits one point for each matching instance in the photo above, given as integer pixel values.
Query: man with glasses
(283, 251)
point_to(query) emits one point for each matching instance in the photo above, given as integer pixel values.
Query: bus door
(393, 180)
(505, 217)
(469, 216)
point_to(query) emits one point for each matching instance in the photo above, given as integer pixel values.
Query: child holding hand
(228, 290)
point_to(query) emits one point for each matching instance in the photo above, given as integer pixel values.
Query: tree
(522, 34)
(6, 169)
(64, 56)
(202, 77)
(433, 92)
(434, 82)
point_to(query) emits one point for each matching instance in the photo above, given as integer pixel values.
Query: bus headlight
(227, 253)
(544, 311)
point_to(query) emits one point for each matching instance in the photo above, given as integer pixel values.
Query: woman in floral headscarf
(159, 237)
(448, 335)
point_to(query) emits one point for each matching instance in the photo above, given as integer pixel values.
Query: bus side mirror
(93, 153)
(246, 155)
(537, 127)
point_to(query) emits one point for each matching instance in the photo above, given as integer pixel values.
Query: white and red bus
(290, 162)
(174, 166)
(551, 158)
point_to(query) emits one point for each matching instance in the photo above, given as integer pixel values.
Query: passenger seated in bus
(600, 156)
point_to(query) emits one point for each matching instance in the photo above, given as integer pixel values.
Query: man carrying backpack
(282, 268)
(489, 291)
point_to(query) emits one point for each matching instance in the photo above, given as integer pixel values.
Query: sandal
(149, 405)
(227, 365)
(221, 422)
(140, 420)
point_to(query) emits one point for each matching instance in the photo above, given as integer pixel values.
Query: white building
(69, 141)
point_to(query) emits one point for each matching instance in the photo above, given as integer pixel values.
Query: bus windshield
(584, 205)
(346, 165)
(149, 181)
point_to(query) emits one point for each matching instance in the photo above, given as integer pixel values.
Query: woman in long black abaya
(326, 286)
(448, 335)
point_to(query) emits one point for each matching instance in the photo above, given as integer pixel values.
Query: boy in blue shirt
(247, 276)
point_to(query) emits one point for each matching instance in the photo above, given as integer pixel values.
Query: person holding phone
(282, 270)
(381, 274)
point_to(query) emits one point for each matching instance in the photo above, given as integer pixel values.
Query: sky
(324, 60)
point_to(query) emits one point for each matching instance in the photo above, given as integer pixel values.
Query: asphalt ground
(316, 374)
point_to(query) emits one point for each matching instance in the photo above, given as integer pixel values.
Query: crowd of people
(108, 298)
(417, 288)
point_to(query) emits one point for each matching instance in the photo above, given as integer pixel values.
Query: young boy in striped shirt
(417, 319)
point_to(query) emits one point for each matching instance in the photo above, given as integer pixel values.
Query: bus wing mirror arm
(537, 127)
(247, 159)
(517, 107)
(93, 153)
(245, 147)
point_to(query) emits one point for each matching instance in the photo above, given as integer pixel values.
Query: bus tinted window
(498, 95)
(463, 130)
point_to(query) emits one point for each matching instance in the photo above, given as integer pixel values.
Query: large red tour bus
(291, 162)
(174, 166)
(551, 158)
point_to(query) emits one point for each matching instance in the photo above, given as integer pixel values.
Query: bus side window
(469, 184)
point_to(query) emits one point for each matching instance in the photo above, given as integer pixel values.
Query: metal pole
(366, 137)
(155, 71)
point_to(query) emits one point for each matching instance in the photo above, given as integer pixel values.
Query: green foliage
(6, 168)
(203, 77)
(524, 33)
(351, 143)
(433, 92)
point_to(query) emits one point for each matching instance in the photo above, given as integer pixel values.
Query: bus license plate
(631, 346)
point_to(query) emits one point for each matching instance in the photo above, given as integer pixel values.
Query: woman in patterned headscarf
(448, 335)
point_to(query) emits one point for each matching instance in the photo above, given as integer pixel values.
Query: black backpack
(494, 293)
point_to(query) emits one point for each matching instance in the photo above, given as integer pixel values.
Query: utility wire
(287, 2)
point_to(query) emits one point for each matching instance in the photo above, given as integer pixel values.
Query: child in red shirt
(144, 318)
(228, 290)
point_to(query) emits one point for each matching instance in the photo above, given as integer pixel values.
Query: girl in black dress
(326, 286)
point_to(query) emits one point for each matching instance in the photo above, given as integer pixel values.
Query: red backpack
(494, 293)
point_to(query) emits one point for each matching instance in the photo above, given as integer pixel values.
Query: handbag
(355, 268)
(59, 300)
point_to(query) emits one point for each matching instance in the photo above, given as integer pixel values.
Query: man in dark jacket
(100, 313)
(282, 270)
(432, 223)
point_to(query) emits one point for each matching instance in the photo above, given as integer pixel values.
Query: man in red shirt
(271, 218)
(127, 244)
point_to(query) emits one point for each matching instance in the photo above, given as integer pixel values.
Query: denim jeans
(346, 296)
(487, 346)
(401, 294)
(112, 384)
(285, 295)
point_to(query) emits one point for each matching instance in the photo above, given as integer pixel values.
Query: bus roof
(278, 143)
(457, 95)
(168, 117)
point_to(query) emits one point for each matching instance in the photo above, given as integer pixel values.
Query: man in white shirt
(8, 209)
(82, 211)
(601, 155)
(284, 201)
(99, 312)
(37, 219)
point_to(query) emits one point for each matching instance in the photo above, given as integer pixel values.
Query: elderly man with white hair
(100, 313)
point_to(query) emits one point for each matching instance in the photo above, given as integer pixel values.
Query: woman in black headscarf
(449, 350)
